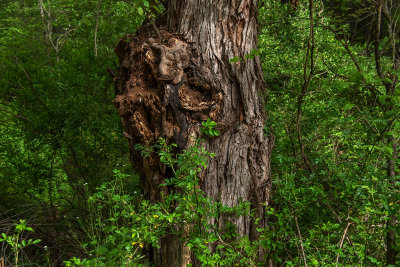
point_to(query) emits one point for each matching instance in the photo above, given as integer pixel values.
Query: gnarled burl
(160, 95)
(168, 83)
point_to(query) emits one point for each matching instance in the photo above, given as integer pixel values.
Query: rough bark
(169, 83)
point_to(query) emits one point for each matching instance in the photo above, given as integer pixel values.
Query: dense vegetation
(69, 196)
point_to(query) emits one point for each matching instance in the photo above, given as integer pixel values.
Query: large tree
(176, 73)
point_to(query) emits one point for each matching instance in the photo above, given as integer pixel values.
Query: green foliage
(60, 139)
(343, 204)
(16, 241)
(209, 128)
(58, 128)
(125, 225)
(253, 53)
(109, 224)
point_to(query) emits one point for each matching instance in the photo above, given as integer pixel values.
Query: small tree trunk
(391, 252)
(169, 83)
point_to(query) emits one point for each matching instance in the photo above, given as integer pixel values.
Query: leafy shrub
(17, 242)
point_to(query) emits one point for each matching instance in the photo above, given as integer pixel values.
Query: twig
(342, 241)
(149, 18)
(386, 129)
(48, 29)
(15, 115)
(307, 80)
(249, 261)
(95, 30)
(129, 3)
(375, 92)
(301, 242)
(151, 21)
(155, 28)
(376, 41)
(347, 237)
(35, 92)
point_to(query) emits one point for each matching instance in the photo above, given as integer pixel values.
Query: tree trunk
(174, 78)
(391, 251)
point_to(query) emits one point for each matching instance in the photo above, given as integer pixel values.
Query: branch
(15, 115)
(129, 3)
(307, 80)
(342, 241)
(48, 29)
(155, 28)
(378, 66)
(95, 30)
(376, 41)
(301, 242)
(375, 92)
(391, 30)
(36, 93)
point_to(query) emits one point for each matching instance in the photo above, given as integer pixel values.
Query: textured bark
(168, 84)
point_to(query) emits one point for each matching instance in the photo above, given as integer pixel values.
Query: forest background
(68, 194)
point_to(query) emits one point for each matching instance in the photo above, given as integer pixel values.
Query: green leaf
(348, 106)
(385, 205)
(36, 241)
(356, 77)
(235, 59)
(146, 3)
(255, 52)
(382, 98)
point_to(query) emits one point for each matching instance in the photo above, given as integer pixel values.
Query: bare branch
(13, 114)
(95, 30)
(301, 242)
(342, 240)
(307, 80)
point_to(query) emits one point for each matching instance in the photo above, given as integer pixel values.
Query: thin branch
(382, 133)
(48, 29)
(342, 240)
(95, 30)
(129, 3)
(307, 80)
(155, 28)
(15, 115)
(377, 37)
(375, 92)
(301, 242)
(388, 17)
(388, 85)
(36, 93)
